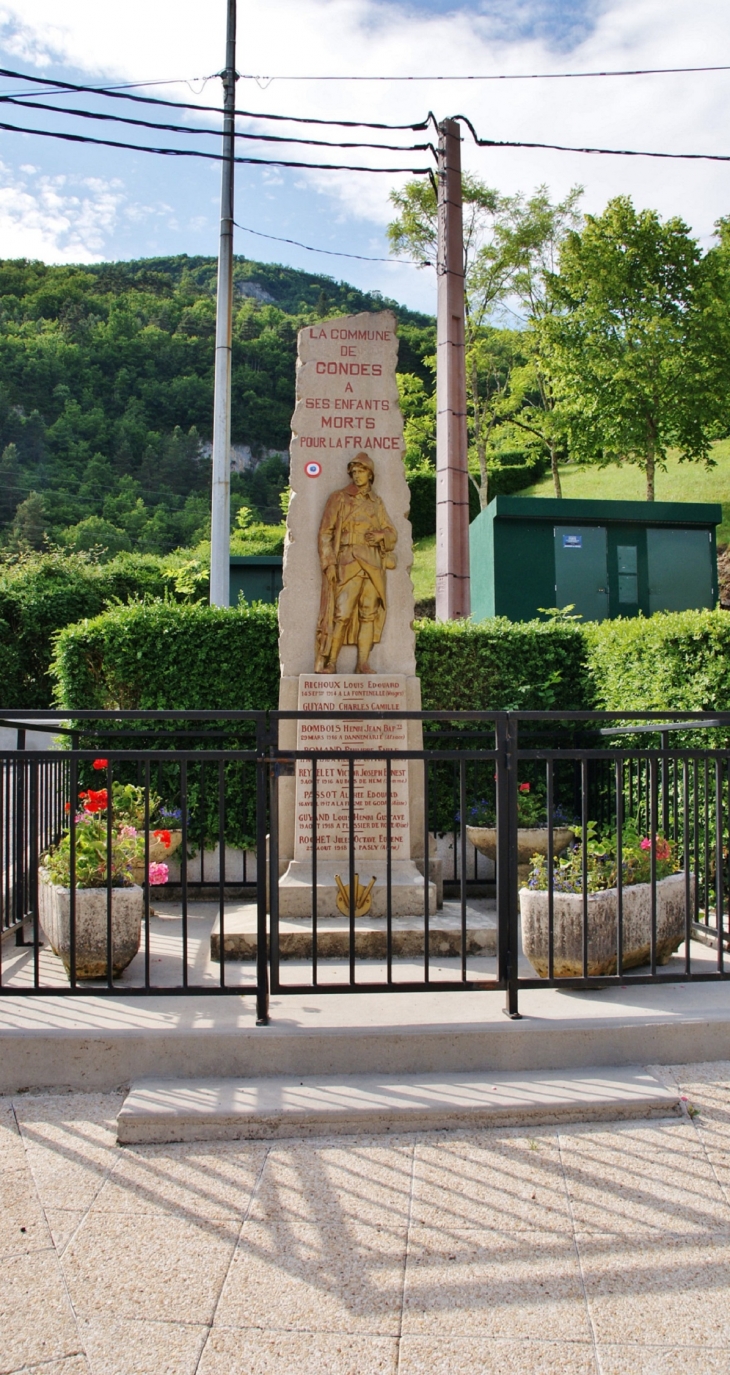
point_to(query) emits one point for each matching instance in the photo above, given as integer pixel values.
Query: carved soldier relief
(356, 540)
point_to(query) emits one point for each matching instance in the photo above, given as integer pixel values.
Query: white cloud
(58, 219)
(174, 38)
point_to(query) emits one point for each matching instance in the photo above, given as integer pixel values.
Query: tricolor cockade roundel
(313, 469)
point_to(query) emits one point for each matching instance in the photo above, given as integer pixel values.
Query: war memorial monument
(346, 626)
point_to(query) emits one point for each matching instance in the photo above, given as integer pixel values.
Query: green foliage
(602, 861)
(162, 656)
(504, 479)
(106, 393)
(672, 661)
(127, 853)
(41, 593)
(501, 665)
(638, 353)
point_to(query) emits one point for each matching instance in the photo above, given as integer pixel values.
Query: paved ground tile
(293, 1276)
(306, 1353)
(124, 1265)
(490, 1356)
(494, 1283)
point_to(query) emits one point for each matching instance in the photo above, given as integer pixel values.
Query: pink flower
(129, 832)
(158, 873)
(646, 843)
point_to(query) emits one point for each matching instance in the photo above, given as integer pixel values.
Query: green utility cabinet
(257, 576)
(607, 558)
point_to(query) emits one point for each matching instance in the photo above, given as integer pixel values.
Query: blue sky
(62, 202)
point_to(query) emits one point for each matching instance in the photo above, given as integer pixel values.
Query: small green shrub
(670, 661)
(502, 665)
(163, 656)
(41, 593)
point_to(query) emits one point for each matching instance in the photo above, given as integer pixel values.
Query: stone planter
(531, 840)
(602, 922)
(159, 854)
(54, 904)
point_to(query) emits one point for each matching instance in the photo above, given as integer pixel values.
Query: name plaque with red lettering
(383, 693)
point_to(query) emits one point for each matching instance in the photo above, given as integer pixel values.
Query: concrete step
(166, 1110)
(371, 941)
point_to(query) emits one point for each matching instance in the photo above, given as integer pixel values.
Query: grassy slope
(681, 482)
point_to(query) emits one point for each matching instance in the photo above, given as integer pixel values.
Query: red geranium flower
(164, 837)
(101, 763)
(95, 801)
(67, 807)
(524, 787)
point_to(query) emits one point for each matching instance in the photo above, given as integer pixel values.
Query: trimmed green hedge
(167, 657)
(671, 661)
(44, 592)
(162, 656)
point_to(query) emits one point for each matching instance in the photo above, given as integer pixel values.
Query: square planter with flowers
(94, 878)
(602, 871)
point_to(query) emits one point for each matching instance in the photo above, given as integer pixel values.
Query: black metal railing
(163, 853)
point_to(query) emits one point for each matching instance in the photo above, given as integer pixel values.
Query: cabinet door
(680, 569)
(581, 570)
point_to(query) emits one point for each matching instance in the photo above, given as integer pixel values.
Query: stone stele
(347, 403)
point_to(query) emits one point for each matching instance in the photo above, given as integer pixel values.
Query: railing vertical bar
(351, 865)
(33, 861)
(262, 966)
(109, 890)
(686, 865)
(653, 831)
(184, 867)
(584, 857)
(719, 878)
(388, 869)
(222, 870)
(275, 955)
(74, 770)
(706, 835)
(315, 913)
(550, 871)
(462, 865)
(426, 886)
(619, 868)
(146, 873)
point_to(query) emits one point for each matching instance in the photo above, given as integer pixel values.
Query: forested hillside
(106, 393)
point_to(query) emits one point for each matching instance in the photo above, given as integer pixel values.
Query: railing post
(262, 966)
(506, 729)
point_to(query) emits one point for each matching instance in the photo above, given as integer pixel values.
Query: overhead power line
(330, 252)
(210, 133)
(210, 157)
(498, 76)
(119, 93)
(608, 152)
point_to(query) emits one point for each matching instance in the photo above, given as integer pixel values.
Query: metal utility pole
(452, 483)
(220, 524)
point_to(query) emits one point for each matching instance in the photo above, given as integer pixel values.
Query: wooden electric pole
(452, 482)
(220, 521)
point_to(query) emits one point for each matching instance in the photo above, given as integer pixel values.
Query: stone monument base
(406, 887)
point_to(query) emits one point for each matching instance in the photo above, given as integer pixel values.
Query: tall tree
(637, 347)
(511, 247)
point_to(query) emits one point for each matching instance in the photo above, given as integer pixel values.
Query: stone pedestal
(384, 693)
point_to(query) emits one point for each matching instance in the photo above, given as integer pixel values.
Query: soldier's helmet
(364, 460)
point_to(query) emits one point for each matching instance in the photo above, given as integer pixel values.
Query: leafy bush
(602, 862)
(41, 593)
(162, 656)
(671, 661)
(501, 665)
